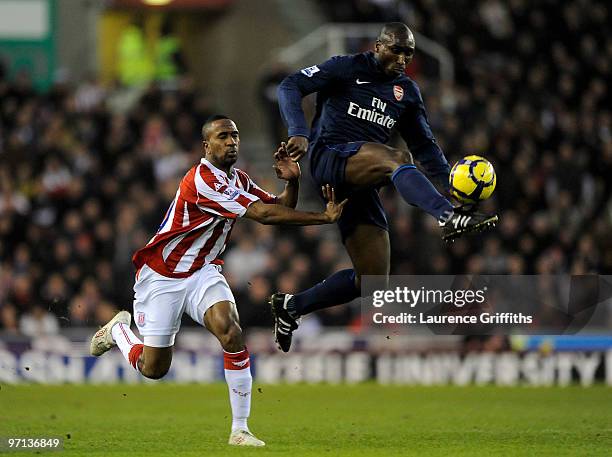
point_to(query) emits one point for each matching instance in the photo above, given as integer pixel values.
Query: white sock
(125, 339)
(239, 382)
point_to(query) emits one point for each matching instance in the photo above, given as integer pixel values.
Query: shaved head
(394, 32)
(207, 127)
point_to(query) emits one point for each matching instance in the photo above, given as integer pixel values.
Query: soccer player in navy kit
(360, 99)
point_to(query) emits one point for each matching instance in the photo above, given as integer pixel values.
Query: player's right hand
(297, 147)
(284, 167)
(333, 209)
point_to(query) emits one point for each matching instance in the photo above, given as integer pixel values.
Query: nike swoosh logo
(362, 82)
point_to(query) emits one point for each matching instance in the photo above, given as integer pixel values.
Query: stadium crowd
(83, 183)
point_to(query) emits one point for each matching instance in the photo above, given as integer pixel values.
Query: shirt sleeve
(249, 185)
(221, 199)
(258, 192)
(306, 81)
(416, 131)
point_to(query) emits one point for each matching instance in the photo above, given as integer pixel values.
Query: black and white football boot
(464, 220)
(284, 323)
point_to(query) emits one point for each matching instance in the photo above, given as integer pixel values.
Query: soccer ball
(472, 179)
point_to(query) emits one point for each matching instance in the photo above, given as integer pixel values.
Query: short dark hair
(210, 120)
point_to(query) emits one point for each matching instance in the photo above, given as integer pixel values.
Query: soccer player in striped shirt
(179, 270)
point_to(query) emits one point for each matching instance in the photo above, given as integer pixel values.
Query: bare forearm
(289, 196)
(278, 214)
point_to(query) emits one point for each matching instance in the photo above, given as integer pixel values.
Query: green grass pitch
(305, 420)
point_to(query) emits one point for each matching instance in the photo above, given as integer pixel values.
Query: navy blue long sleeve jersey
(357, 101)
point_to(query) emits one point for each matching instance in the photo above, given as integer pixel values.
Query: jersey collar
(231, 176)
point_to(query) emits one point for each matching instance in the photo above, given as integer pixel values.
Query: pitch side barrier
(448, 368)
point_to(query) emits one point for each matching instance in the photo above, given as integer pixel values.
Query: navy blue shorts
(327, 166)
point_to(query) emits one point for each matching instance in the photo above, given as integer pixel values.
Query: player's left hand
(284, 167)
(333, 209)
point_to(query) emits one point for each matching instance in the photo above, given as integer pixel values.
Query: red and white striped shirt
(199, 221)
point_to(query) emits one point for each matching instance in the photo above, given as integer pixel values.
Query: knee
(399, 157)
(231, 338)
(155, 370)
(394, 159)
(370, 287)
(382, 274)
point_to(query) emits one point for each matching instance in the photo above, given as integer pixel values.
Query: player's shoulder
(207, 174)
(350, 61)
(190, 175)
(241, 173)
(191, 182)
(363, 58)
(242, 177)
(205, 170)
(364, 61)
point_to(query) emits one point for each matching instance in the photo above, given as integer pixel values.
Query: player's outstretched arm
(281, 215)
(289, 171)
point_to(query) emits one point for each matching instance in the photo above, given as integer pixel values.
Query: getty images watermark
(489, 304)
(458, 298)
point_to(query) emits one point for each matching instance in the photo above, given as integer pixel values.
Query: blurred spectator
(89, 95)
(169, 60)
(250, 302)
(244, 261)
(38, 322)
(269, 100)
(8, 318)
(12, 200)
(136, 67)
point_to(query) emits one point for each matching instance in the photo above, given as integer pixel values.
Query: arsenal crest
(398, 91)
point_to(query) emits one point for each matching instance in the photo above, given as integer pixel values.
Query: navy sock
(339, 288)
(417, 190)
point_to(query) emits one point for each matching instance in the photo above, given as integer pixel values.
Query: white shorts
(159, 301)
